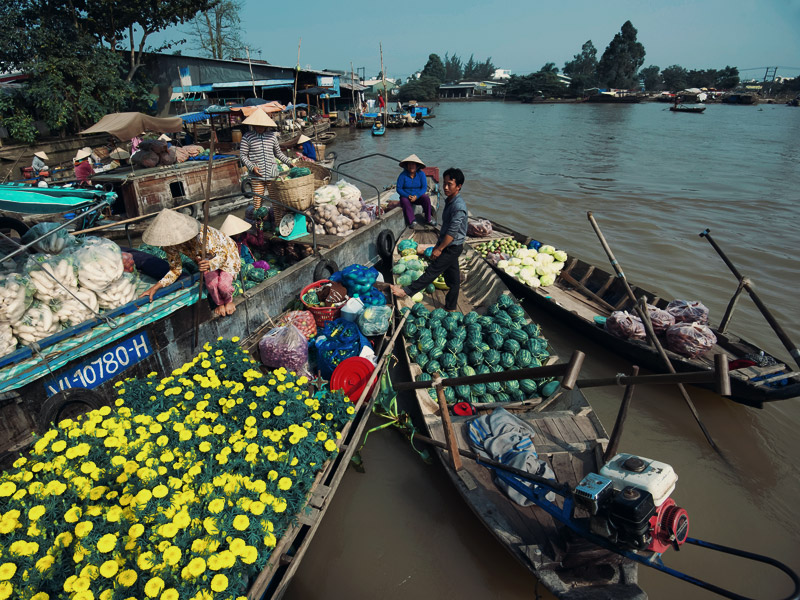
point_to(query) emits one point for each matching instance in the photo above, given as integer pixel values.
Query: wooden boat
(687, 109)
(569, 436)
(584, 292)
(378, 129)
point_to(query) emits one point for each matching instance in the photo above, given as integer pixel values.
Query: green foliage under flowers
(181, 492)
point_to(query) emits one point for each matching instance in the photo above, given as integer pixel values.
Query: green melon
(435, 353)
(471, 317)
(475, 357)
(413, 351)
(523, 358)
(511, 346)
(491, 358)
(495, 340)
(527, 386)
(507, 360)
(448, 360)
(502, 397)
(532, 329)
(518, 335)
(493, 387)
(410, 329)
(505, 300)
(454, 345)
(433, 366)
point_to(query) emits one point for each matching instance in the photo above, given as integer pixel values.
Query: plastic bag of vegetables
(8, 343)
(16, 295)
(118, 292)
(284, 347)
(37, 323)
(50, 275)
(327, 194)
(99, 263)
(625, 325)
(690, 339)
(303, 320)
(374, 320)
(348, 191)
(53, 243)
(75, 309)
(688, 311)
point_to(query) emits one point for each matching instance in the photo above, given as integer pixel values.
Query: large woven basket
(297, 193)
(322, 175)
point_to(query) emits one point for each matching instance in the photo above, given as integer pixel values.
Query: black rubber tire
(324, 269)
(68, 403)
(247, 187)
(385, 243)
(13, 224)
(191, 210)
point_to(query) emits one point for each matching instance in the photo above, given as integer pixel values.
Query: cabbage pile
(534, 268)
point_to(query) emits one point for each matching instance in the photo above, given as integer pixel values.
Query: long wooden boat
(571, 438)
(687, 109)
(72, 371)
(585, 291)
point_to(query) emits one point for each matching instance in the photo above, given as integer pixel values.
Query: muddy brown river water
(654, 180)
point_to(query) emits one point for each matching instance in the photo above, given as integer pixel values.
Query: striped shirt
(260, 150)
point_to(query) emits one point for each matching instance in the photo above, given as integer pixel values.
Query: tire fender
(68, 403)
(324, 269)
(385, 243)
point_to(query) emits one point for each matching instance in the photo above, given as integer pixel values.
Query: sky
(522, 35)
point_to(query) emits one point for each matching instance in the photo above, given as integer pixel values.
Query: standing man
(381, 101)
(452, 235)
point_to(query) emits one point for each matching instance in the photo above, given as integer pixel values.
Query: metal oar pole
(745, 283)
(648, 328)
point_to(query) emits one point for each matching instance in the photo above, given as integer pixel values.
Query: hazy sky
(522, 35)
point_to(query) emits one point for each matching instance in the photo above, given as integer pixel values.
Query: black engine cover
(630, 513)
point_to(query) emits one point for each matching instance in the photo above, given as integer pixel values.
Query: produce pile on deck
(339, 209)
(529, 265)
(683, 326)
(411, 265)
(181, 491)
(458, 345)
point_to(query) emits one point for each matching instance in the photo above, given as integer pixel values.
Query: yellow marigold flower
(83, 529)
(7, 488)
(250, 555)
(219, 583)
(153, 587)
(136, 530)
(279, 505)
(330, 445)
(145, 561)
(7, 571)
(241, 522)
(127, 578)
(40, 596)
(196, 566)
(169, 530)
(277, 411)
(162, 440)
(216, 506)
(109, 568)
(210, 525)
(81, 584)
(170, 594)
(36, 512)
(58, 446)
(204, 447)
(144, 496)
(185, 435)
(107, 543)
(172, 555)
(257, 507)
(160, 490)
(63, 539)
(284, 483)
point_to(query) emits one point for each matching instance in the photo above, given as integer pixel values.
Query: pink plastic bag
(660, 319)
(690, 339)
(284, 347)
(625, 325)
(688, 311)
(479, 228)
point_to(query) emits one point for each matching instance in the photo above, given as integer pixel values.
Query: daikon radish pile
(76, 310)
(37, 323)
(120, 292)
(50, 275)
(8, 343)
(16, 295)
(99, 263)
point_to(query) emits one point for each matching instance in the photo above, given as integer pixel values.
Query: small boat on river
(569, 436)
(585, 294)
(687, 109)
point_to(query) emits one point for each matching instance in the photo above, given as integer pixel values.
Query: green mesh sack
(296, 172)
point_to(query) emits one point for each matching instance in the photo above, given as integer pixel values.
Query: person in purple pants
(412, 186)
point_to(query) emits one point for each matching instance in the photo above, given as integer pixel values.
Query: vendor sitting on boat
(83, 167)
(38, 165)
(180, 234)
(306, 148)
(235, 228)
(412, 186)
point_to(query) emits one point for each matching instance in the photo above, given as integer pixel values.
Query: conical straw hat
(412, 158)
(41, 154)
(259, 119)
(303, 139)
(170, 228)
(83, 153)
(165, 138)
(120, 154)
(233, 225)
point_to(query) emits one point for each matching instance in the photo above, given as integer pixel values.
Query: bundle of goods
(8, 343)
(303, 320)
(128, 264)
(373, 297)
(479, 228)
(183, 153)
(285, 347)
(661, 319)
(458, 345)
(339, 209)
(52, 276)
(374, 320)
(77, 308)
(357, 279)
(324, 299)
(626, 326)
(152, 153)
(252, 275)
(37, 323)
(16, 295)
(118, 292)
(336, 341)
(53, 243)
(688, 311)
(329, 220)
(534, 268)
(690, 339)
(99, 263)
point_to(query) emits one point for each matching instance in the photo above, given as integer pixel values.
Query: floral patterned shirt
(221, 253)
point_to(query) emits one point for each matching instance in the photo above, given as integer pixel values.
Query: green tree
(728, 78)
(434, 68)
(651, 75)
(674, 78)
(549, 68)
(469, 68)
(217, 32)
(583, 68)
(422, 89)
(621, 60)
(453, 69)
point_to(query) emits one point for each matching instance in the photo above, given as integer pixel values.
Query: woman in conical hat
(38, 163)
(258, 150)
(83, 167)
(412, 186)
(178, 234)
(236, 228)
(306, 148)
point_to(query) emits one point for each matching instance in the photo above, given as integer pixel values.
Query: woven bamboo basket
(322, 175)
(297, 193)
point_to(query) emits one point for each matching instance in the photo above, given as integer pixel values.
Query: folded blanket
(503, 437)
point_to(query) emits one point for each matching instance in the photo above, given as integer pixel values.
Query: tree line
(437, 72)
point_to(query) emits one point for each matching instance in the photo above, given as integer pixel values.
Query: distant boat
(687, 109)
(378, 129)
(740, 99)
(615, 98)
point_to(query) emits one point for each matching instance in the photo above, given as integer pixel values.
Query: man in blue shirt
(452, 235)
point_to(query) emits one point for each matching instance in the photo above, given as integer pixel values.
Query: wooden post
(447, 425)
(205, 236)
(616, 434)
(385, 99)
(294, 92)
(726, 318)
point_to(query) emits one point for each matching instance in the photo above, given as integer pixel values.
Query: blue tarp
(194, 117)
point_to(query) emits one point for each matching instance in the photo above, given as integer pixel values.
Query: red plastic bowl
(351, 376)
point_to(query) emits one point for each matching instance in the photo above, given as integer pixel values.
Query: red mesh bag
(479, 228)
(625, 326)
(127, 262)
(688, 311)
(303, 320)
(690, 339)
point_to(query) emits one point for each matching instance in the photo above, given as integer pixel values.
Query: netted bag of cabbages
(660, 319)
(170, 157)
(625, 325)
(145, 159)
(688, 311)
(690, 339)
(159, 146)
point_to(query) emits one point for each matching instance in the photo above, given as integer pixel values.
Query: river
(654, 180)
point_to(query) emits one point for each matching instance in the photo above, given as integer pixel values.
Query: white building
(502, 74)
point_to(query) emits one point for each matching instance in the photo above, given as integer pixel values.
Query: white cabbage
(515, 261)
(560, 256)
(548, 279)
(547, 249)
(544, 259)
(528, 261)
(556, 267)
(502, 264)
(519, 253)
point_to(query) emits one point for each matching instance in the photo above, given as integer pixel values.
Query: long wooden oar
(787, 343)
(645, 317)
(205, 238)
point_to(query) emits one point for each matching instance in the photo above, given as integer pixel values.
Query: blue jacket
(309, 151)
(454, 221)
(408, 186)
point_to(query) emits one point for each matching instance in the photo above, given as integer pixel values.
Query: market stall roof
(298, 105)
(194, 117)
(127, 125)
(315, 91)
(268, 107)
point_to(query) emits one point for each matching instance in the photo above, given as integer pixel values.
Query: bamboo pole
(353, 93)
(383, 76)
(294, 92)
(205, 236)
(252, 78)
(619, 424)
